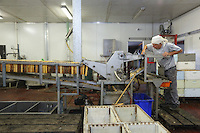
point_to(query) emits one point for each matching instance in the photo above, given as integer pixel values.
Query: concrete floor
(49, 94)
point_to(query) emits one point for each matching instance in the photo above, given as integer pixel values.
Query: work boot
(164, 105)
(173, 106)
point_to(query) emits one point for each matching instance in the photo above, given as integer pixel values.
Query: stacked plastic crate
(188, 78)
(181, 83)
(119, 119)
(192, 83)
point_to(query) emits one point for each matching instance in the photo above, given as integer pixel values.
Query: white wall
(8, 37)
(187, 23)
(31, 41)
(31, 38)
(93, 35)
(57, 46)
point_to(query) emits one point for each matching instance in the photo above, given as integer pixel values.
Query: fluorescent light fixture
(139, 12)
(1, 17)
(66, 11)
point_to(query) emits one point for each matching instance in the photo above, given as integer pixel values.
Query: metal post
(18, 54)
(131, 93)
(102, 86)
(151, 89)
(145, 69)
(56, 72)
(58, 89)
(157, 83)
(4, 73)
(77, 79)
(40, 73)
(58, 94)
(77, 56)
(46, 41)
(65, 100)
(157, 94)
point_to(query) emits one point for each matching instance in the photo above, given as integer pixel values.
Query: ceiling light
(1, 17)
(139, 12)
(66, 11)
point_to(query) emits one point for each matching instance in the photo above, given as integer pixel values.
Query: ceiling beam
(44, 3)
(108, 10)
(21, 20)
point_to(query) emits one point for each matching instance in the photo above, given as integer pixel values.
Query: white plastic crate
(181, 92)
(143, 127)
(147, 127)
(186, 65)
(192, 75)
(192, 92)
(180, 84)
(99, 115)
(132, 113)
(106, 128)
(180, 75)
(118, 119)
(192, 83)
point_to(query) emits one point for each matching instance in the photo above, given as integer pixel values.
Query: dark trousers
(171, 93)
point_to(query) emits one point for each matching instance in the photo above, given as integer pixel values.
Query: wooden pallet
(68, 123)
(178, 118)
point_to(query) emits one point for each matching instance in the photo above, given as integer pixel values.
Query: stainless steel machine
(117, 71)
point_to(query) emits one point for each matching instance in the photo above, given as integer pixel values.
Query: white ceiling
(156, 11)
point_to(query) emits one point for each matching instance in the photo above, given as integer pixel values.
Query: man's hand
(171, 53)
(143, 51)
(165, 54)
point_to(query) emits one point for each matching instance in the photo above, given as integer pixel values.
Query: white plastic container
(180, 75)
(119, 119)
(132, 113)
(192, 75)
(192, 83)
(186, 65)
(181, 92)
(100, 114)
(180, 84)
(192, 92)
(106, 128)
(147, 127)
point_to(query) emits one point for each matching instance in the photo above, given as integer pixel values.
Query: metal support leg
(40, 73)
(4, 73)
(157, 83)
(131, 93)
(102, 86)
(58, 95)
(65, 100)
(145, 69)
(58, 89)
(157, 94)
(151, 89)
(77, 79)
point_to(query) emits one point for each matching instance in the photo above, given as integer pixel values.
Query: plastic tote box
(144, 101)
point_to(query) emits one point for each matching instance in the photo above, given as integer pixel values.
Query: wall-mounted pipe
(189, 33)
(46, 41)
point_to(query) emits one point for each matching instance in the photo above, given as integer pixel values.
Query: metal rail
(76, 84)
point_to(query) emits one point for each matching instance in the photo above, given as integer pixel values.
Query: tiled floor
(46, 94)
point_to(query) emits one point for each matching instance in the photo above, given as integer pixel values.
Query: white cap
(158, 39)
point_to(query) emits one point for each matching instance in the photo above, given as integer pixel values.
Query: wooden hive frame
(32, 66)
